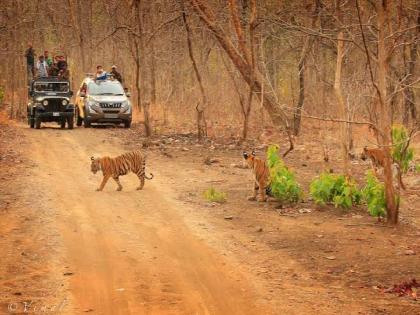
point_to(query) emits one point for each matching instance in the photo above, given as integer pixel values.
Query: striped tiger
(262, 176)
(120, 165)
(377, 160)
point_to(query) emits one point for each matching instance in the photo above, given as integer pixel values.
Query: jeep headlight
(126, 107)
(45, 102)
(92, 106)
(64, 102)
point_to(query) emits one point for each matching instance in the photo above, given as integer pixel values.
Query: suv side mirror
(30, 93)
(128, 94)
(71, 93)
(82, 94)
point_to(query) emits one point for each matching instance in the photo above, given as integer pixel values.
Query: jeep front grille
(54, 106)
(110, 105)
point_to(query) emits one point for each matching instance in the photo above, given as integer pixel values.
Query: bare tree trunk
(384, 109)
(152, 73)
(147, 124)
(76, 21)
(201, 120)
(244, 108)
(139, 56)
(277, 115)
(298, 112)
(252, 25)
(339, 94)
(410, 110)
(297, 117)
(138, 73)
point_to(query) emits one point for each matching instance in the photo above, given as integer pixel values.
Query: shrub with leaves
(374, 195)
(214, 195)
(401, 152)
(336, 189)
(283, 184)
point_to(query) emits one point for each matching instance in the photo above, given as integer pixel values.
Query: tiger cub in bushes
(262, 177)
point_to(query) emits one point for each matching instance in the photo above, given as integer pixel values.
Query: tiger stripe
(134, 162)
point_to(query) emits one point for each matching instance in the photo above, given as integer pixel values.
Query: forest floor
(166, 250)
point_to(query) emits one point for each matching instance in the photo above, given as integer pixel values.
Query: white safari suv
(102, 101)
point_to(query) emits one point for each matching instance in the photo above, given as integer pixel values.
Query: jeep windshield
(45, 87)
(105, 88)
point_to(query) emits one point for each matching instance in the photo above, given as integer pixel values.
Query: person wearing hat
(116, 74)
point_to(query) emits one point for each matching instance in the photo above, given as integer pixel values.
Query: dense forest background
(177, 66)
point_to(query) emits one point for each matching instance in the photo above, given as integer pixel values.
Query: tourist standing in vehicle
(41, 67)
(61, 63)
(116, 74)
(64, 74)
(100, 73)
(53, 70)
(48, 59)
(30, 61)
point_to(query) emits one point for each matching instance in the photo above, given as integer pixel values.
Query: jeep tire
(70, 122)
(37, 122)
(127, 124)
(31, 121)
(86, 121)
(79, 119)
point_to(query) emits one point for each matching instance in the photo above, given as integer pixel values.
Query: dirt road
(129, 252)
(166, 250)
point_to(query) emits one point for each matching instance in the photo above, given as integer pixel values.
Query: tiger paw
(252, 198)
(98, 189)
(262, 199)
(139, 188)
(119, 188)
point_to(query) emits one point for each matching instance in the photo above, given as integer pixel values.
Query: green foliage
(213, 195)
(417, 168)
(374, 195)
(337, 189)
(283, 184)
(399, 139)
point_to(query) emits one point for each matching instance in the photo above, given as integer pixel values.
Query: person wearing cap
(116, 74)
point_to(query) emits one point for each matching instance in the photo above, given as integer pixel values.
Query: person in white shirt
(42, 67)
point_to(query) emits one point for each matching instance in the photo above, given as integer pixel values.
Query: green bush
(336, 189)
(417, 168)
(399, 155)
(283, 184)
(213, 195)
(374, 195)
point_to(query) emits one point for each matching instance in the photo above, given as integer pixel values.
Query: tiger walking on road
(121, 165)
